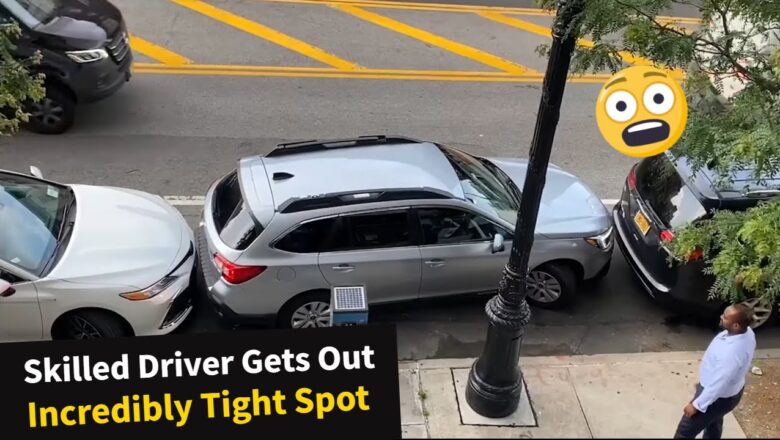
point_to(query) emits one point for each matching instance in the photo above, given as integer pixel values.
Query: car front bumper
(101, 79)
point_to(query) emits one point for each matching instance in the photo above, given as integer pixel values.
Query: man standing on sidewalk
(721, 375)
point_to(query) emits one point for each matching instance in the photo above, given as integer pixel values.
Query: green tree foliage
(729, 129)
(17, 84)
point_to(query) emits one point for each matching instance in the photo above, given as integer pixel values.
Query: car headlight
(152, 291)
(602, 241)
(87, 56)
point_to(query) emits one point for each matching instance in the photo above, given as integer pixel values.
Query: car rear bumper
(682, 297)
(210, 283)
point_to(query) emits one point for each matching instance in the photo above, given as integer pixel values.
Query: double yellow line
(329, 72)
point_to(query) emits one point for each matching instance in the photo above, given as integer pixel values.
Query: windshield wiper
(65, 213)
(63, 235)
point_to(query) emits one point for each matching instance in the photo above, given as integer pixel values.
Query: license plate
(642, 222)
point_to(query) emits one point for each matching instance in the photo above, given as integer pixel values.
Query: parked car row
(407, 219)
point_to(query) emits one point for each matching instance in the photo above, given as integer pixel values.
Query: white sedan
(83, 262)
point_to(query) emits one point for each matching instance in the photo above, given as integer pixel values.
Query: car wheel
(306, 311)
(54, 114)
(762, 311)
(551, 286)
(91, 324)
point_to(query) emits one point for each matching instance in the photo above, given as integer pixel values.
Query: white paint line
(200, 200)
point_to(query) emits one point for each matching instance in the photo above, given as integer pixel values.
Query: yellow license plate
(642, 222)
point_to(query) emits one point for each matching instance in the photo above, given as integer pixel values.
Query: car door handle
(436, 262)
(343, 268)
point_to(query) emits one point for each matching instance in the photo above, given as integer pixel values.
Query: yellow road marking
(440, 7)
(322, 72)
(156, 52)
(547, 32)
(435, 40)
(267, 33)
(447, 7)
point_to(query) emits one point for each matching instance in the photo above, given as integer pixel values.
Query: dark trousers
(711, 421)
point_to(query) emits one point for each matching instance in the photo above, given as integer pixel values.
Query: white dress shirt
(724, 367)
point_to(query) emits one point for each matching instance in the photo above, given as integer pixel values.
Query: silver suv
(405, 218)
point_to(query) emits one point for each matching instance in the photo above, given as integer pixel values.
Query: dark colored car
(663, 193)
(86, 54)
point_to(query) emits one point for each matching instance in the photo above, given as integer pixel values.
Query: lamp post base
(490, 401)
(495, 381)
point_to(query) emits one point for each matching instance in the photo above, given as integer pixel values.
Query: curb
(598, 359)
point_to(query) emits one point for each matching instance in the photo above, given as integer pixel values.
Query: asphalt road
(213, 85)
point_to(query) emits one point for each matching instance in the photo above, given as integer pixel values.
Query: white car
(83, 262)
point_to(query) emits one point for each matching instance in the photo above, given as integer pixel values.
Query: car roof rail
(298, 204)
(325, 144)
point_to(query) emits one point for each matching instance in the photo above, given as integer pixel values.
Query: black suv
(86, 54)
(663, 193)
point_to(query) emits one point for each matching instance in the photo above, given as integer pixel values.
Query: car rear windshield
(232, 217)
(662, 188)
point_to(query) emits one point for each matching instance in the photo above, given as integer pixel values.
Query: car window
(31, 214)
(11, 278)
(484, 184)
(232, 216)
(666, 193)
(452, 226)
(310, 237)
(31, 12)
(378, 230)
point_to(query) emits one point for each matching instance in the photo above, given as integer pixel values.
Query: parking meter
(348, 306)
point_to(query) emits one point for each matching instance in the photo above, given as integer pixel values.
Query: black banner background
(381, 421)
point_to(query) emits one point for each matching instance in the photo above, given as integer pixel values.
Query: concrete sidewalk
(611, 395)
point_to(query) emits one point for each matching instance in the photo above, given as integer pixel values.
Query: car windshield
(485, 185)
(31, 12)
(32, 214)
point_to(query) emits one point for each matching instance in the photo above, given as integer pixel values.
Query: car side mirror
(36, 172)
(6, 289)
(498, 243)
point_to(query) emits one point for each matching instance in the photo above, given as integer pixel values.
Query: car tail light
(666, 235)
(234, 273)
(631, 178)
(696, 254)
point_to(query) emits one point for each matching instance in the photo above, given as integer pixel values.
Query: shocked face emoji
(641, 111)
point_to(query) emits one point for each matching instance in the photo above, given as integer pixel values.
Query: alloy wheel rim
(543, 287)
(312, 314)
(762, 311)
(80, 328)
(48, 112)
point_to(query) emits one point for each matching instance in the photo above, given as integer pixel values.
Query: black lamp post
(495, 380)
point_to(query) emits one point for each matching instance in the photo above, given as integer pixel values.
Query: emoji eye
(621, 106)
(658, 98)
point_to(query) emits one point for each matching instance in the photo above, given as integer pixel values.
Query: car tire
(551, 286)
(91, 324)
(307, 310)
(54, 114)
(763, 312)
